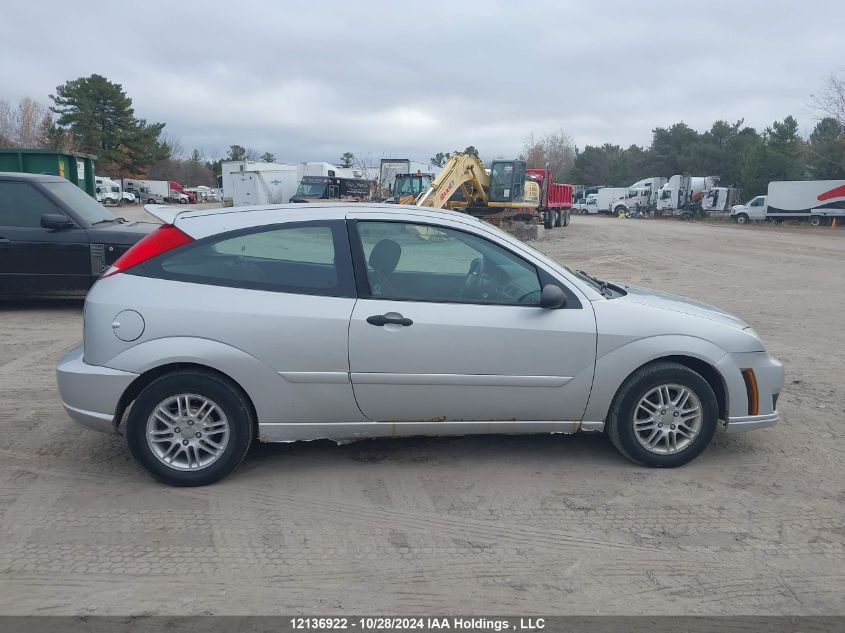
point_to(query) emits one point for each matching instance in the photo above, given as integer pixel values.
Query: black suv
(55, 237)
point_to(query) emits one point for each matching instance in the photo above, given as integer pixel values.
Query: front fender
(615, 366)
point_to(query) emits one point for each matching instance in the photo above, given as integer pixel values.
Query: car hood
(677, 303)
(123, 233)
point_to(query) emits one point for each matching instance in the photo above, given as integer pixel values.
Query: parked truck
(606, 196)
(683, 194)
(142, 192)
(316, 188)
(818, 202)
(392, 169)
(640, 199)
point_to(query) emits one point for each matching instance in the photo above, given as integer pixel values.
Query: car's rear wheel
(664, 415)
(190, 428)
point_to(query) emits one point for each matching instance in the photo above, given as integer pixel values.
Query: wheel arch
(137, 386)
(614, 368)
(701, 367)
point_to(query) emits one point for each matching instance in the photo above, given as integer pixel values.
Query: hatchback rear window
(303, 258)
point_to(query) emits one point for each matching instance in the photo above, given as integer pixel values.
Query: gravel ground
(544, 524)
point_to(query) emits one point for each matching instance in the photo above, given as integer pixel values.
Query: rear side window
(303, 258)
(21, 204)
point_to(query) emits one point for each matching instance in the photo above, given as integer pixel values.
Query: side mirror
(552, 297)
(55, 221)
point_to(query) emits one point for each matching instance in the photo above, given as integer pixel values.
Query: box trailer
(264, 186)
(816, 201)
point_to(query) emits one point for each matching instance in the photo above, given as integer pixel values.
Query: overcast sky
(309, 80)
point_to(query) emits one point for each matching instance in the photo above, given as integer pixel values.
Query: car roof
(171, 214)
(17, 175)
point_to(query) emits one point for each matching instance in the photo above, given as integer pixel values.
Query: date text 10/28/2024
(454, 623)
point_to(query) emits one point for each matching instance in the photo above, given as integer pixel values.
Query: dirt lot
(504, 525)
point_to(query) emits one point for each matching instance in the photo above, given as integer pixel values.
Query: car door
(448, 327)
(33, 257)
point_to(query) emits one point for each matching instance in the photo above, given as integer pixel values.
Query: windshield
(667, 193)
(502, 174)
(311, 189)
(83, 205)
(411, 185)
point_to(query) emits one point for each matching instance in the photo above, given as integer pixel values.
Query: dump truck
(509, 190)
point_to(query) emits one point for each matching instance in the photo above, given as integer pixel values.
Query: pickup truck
(754, 209)
(54, 237)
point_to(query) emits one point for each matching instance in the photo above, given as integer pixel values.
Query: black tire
(205, 384)
(620, 427)
(741, 218)
(815, 220)
(548, 220)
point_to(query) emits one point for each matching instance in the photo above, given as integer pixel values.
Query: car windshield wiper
(107, 220)
(604, 287)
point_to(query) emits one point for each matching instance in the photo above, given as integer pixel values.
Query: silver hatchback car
(302, 322)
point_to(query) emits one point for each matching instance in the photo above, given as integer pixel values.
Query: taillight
(164, 238)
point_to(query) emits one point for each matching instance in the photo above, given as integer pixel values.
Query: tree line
(94, 115)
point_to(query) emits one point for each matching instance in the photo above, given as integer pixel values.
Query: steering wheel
(472, 281)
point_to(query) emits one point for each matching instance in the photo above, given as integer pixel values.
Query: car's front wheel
(664, 415)
(190, 428)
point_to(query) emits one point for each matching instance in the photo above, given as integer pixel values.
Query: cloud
(308, 81)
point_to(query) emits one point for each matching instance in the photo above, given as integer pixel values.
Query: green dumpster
(78, 168)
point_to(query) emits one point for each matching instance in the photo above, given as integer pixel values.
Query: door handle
(383, 319)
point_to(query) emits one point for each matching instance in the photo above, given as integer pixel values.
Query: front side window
(407, 261)
(758, 202)
(301, 258)
(21, 204)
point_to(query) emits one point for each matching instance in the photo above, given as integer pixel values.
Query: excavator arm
(463, 172)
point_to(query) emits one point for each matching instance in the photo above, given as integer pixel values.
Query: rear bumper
(90, 393)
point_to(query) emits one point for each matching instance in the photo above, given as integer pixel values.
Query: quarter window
(21, 204)
(302, 258)
(408, 261)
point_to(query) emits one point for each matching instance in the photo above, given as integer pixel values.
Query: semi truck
(683, 194)
(640, 198)
(141, 190)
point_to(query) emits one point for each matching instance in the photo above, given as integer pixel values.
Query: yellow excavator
(464, 184)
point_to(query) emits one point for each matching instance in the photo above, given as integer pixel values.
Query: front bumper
(769, 376)
(90, 393)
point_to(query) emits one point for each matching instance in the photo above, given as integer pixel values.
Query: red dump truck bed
(557, 195)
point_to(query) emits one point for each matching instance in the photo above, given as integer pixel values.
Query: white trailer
(265, 186)
(606, 196)
(816, 201)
